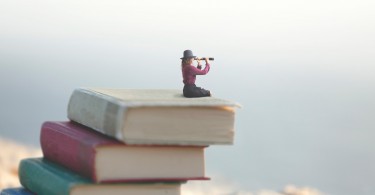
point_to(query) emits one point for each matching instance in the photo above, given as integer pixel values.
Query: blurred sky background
(304, 72)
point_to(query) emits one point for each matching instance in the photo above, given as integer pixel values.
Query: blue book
(44, 177)
(16, 191)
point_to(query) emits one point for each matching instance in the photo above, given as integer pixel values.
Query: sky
(303, 71)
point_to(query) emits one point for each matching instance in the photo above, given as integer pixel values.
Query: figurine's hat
(188, 54)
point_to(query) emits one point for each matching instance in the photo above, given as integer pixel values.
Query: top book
(153, 116)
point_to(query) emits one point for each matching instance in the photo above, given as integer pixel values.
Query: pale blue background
(303, 70)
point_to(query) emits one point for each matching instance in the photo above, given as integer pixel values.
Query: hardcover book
(162, 117)
(105, 159)
(44, 177)
(16, 191)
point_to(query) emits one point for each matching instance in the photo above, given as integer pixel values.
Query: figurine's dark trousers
(191, 90)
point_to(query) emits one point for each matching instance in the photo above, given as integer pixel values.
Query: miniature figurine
(189, 72)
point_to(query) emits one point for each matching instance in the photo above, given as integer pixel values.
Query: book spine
(16, 191)
(43, 177)
(97, 111)
(68, 149)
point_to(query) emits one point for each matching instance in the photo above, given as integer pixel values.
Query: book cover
(16, 191)
(106, 160)
(146, 116)
(44, 177)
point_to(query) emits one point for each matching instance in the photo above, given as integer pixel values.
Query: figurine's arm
(199, 64)
(197, 71)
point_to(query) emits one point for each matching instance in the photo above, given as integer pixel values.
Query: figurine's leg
(189, 91)
(194, 91)
(205, 92)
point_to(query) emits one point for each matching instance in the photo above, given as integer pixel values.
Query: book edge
(121, 111)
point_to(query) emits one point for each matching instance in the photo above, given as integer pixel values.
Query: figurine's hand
(206, 59)
(199, 61)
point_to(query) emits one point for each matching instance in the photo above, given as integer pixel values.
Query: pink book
(107, 160)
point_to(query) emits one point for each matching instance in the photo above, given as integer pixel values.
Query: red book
(106, 160)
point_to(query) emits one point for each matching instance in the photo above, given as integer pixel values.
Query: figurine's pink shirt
(189, 73)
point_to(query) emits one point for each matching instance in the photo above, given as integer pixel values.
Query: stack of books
(127, 141)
